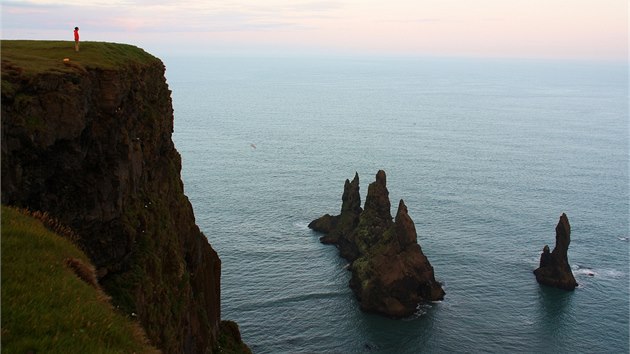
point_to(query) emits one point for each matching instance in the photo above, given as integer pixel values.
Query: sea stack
(390, 274)
(338, 230)
(554, 269)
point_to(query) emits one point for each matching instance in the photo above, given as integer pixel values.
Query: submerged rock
(554, 269)
(390, 274)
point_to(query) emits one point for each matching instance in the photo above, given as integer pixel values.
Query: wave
(298, 298)
(421, 310)
(583, 271)
(302, 225)
(580, 270)
(612, 273)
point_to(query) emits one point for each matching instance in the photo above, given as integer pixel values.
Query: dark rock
(554, 269)
(230, 340)
(93, 148)
(405, 228)
(390, 274)
(325, 224)
(339, 229)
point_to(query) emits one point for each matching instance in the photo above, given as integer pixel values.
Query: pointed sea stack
(554, 269)
(338, 229)
(390, 274)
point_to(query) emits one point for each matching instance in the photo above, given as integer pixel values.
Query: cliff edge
(88, 140)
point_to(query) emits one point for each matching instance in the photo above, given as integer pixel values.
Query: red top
(76, 35)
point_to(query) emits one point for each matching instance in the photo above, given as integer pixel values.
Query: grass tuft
(46, 307)
(84, 271)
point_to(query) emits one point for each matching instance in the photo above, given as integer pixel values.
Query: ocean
(486, 153)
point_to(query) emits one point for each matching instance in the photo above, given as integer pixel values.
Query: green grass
(46, 307)
(34, 57)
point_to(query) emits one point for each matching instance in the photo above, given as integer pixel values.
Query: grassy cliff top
(46, 306)
(32, 57)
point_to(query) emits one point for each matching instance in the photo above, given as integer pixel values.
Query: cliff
(88, 140)
(61, 284)
(390, 273)
(554, 269)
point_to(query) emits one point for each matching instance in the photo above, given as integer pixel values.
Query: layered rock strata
(91, 145)
(390, 274)
(554, 269)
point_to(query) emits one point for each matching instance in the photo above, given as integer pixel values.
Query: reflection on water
(552, 318)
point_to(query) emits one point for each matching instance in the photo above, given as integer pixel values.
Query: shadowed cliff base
(390, 274)
(88, 141)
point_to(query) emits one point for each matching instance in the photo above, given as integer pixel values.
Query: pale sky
(547, 29)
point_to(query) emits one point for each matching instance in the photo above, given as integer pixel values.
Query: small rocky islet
(390, 274)
(554, 269)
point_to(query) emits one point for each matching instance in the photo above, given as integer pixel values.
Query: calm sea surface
(486, 154)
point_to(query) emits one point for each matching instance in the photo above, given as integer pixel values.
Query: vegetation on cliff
(38, 57)
(89, 142)
(46, 306)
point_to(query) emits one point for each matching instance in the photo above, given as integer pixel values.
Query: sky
(545, 29)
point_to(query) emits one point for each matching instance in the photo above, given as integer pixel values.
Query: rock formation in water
(90, 143)
(338, 229)
(554, 269)
(390, 274)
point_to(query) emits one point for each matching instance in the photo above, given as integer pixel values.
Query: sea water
(487, 154)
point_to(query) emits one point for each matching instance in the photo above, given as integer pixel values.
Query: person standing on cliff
(76, 39)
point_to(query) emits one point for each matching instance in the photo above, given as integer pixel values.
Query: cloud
(418, 20)
(191, 13)
(156, 16)
(430, 26)
(317, 6)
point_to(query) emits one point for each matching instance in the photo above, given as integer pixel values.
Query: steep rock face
(93, 147)
(390, 274)
(554, 269)
(338, 229)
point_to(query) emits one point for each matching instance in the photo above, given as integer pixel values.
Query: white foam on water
(607, 273)
(612, 273)
(585, 272)
(302, 225)
(421, 309)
